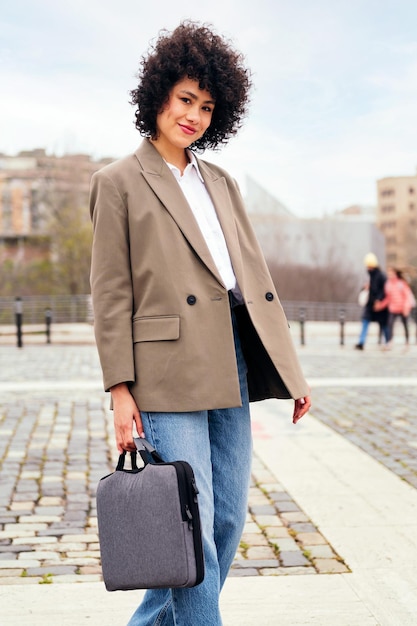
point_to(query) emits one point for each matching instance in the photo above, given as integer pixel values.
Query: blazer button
(191, 300)
(269, 296)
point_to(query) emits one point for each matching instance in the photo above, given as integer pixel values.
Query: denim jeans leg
(364, 332)
(231, 453)
(186, 436)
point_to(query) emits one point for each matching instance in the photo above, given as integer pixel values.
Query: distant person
(399, 299)
(376, 292)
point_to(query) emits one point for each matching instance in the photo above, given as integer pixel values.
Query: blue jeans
(218, 445)
(364, 331)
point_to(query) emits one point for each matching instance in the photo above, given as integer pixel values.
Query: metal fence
(322, 311)
(73, 309)
(61, 309)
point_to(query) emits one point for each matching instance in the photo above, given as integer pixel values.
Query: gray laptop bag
(149, 524)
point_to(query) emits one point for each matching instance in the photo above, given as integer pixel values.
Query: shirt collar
(192, 164)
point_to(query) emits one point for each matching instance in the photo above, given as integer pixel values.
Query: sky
(333, 109)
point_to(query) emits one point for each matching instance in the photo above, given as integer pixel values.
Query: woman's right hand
(125, 414)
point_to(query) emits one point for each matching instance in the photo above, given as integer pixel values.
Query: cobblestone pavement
(381, 419)
(56, 442)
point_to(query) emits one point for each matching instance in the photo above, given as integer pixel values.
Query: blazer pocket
(160, 328)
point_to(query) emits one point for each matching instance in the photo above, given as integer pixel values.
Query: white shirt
(197, 196)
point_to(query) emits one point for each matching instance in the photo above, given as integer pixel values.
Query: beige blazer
(161, 312)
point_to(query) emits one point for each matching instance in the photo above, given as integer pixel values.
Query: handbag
(363, 297)
(149, 524)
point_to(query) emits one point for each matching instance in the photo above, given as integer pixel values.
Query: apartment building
(32, 185)
(397, 219)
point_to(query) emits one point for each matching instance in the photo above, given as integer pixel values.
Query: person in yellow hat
(377, 281)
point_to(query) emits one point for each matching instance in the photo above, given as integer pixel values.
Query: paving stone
(240, 572)
(288, 571)
(54, 511)
(54, 570)
(72, 547)
(320, 552)
(21, 527)
(275, 532)
(79, 538)
(20, 541)
(12, 548)
(286, 506)
(287, 545)
(16, 532)
(78, 516)
(294, 517)
(7, 519)
(8, 573)
(38, 519)
(303, 527)
(58, 532)
(19, 564)
(330, 566)
(280, 496)
(51, 501)
(265, 509)
(311, 539)
(258, 563)
(39, 555)
(293, 558)
(258, 553)
(22, 507)
(254, 540)
(84, 554)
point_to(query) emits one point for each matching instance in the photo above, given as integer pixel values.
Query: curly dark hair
(193, 51)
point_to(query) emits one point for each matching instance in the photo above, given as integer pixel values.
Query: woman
(399, 299)
(188, 324)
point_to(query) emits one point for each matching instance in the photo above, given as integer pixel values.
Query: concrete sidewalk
(365, 511)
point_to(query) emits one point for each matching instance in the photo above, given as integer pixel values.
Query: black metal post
(18, 313)
(342, 318)
(48, 320)
(302, 318)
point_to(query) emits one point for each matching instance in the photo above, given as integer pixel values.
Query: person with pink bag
(399, 299)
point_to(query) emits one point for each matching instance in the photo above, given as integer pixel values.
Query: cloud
(333, 106)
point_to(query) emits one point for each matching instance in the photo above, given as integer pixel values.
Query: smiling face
(183, 119)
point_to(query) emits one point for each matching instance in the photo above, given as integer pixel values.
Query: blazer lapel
(160, 179)
(217, 188)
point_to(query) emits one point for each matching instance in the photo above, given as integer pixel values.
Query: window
(388, 208)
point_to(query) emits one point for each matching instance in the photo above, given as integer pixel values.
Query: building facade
(33, 185)
(397, 219)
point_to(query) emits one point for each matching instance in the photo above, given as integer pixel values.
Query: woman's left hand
(301, 406)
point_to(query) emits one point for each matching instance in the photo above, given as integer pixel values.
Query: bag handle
(147, 451)
(122, 458)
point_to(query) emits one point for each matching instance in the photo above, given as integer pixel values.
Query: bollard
(342, 318)
(48, 320)
(302, 318)
(18, 313)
